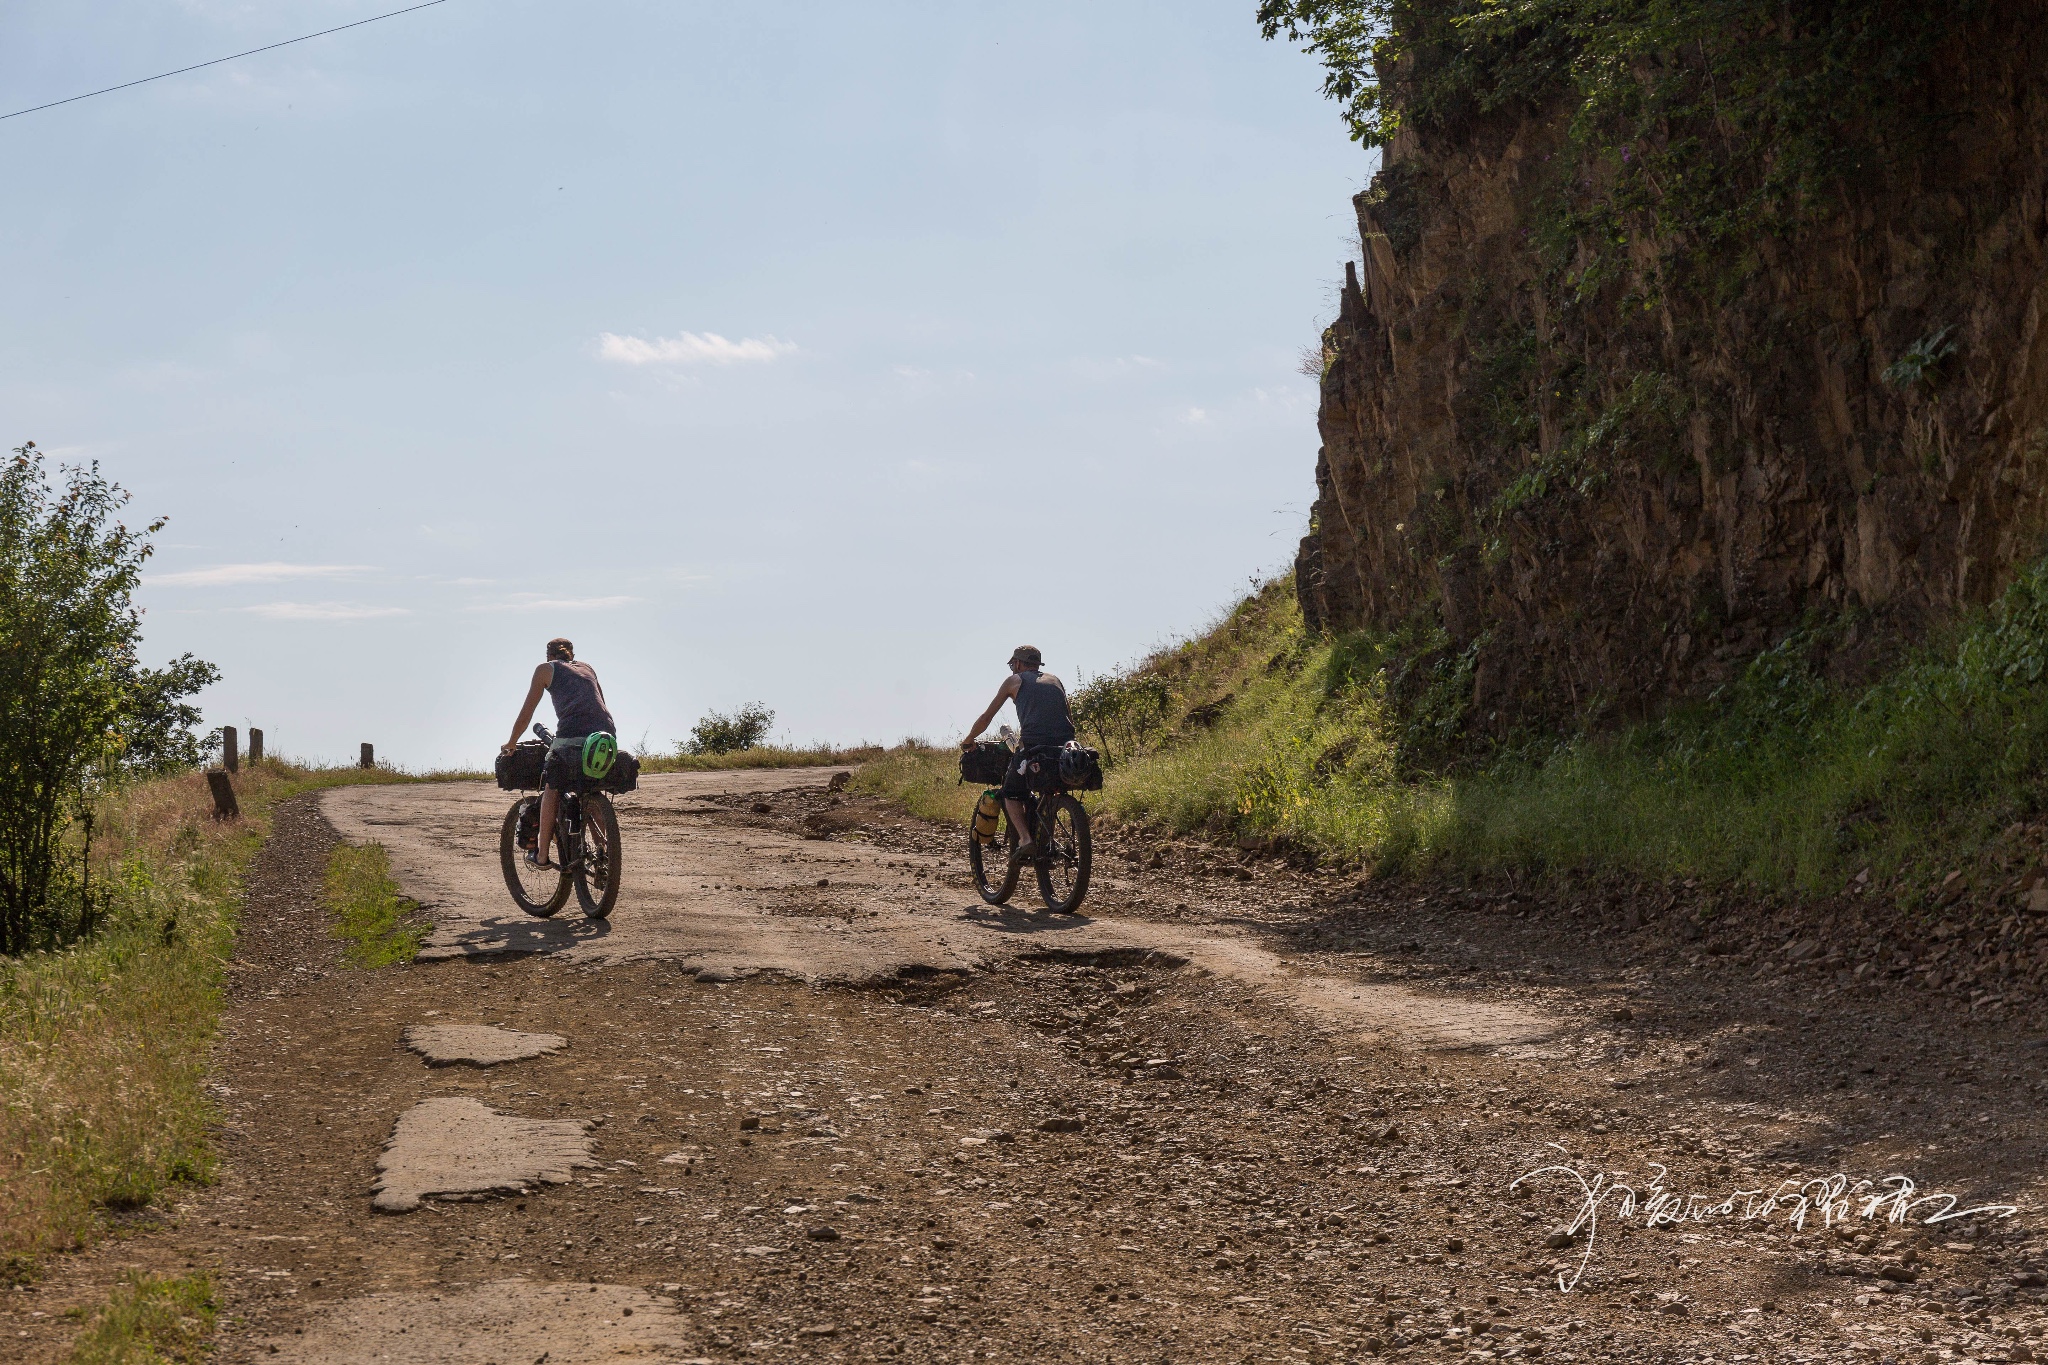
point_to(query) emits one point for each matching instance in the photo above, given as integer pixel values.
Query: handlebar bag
(986, 763)
(519, 771)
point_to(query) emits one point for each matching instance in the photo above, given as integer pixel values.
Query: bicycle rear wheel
(535, 890)
(994, 883)
(597, 876)
(1064, 853)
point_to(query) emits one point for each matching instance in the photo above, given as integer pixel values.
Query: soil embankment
(836, 1108)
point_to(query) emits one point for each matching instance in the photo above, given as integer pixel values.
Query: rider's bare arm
(1003, 694)
(542, 676)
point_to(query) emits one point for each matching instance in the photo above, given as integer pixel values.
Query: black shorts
(563, 769)
(1035, 769)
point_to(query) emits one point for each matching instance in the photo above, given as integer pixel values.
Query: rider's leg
(550, 802)
(1020, 820)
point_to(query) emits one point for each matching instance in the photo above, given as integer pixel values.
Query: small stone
(823, 1233)
(1061, 1125)
(1558, 1240)
(761, 808)
(750, 1123)
(716, 975)
(1454, 1245)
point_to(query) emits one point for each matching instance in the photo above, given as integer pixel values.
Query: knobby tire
(538, 893)
(998, 889)
(1065, 853)
(597, 876)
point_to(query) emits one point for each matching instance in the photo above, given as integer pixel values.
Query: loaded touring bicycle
(586, 836)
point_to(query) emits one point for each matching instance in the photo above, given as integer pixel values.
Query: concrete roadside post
(229, 758)
(369, 756)
(255, 746)
(225, 807)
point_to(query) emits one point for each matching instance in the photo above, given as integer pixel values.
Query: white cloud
(1196, 417)
(321, 611)
(691, 348)
(234, 575)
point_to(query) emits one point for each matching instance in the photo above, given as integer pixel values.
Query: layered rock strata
(1610, 501)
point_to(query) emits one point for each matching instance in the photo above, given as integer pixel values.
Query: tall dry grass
(762, 756)
(104, 1046)
(919, 779)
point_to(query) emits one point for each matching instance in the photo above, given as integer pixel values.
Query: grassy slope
(919, 779)
(104, 1046)
(1256, 728)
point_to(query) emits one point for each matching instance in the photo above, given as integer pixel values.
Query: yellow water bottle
(988, 817)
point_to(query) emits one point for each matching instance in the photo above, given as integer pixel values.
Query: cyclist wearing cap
(580, 712)
(1041, 701)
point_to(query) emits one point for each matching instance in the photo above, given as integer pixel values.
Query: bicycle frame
(568, 814)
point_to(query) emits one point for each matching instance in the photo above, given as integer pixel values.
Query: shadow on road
(1010, 920)
(506, 936)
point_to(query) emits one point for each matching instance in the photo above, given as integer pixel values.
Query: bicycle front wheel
(995, 872)
(1064, 854)
(537, 891)
(597, 876)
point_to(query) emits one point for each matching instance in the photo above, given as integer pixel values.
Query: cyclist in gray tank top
(1043, 725)
(580, 711)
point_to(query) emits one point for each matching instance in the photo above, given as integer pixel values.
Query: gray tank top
(579, 702)
(1042, 710)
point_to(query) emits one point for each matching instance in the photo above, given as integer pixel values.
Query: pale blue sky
(807, 353)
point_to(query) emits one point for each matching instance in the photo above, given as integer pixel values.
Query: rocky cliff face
(1617, 492)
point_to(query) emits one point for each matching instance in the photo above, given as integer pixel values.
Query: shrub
(722, 734)
(69, 682)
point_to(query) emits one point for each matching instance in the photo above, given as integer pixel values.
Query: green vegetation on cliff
(1701, 123)
(1346, 745)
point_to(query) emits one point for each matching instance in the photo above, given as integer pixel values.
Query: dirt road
(805, 1097)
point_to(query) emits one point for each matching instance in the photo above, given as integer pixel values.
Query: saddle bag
(1080, 768)
(986, 764)
(519, 771)
(624, 775)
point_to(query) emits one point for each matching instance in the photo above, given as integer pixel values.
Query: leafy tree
(1345, 35)
(73, 700)
(722, 734)
(158, 732)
